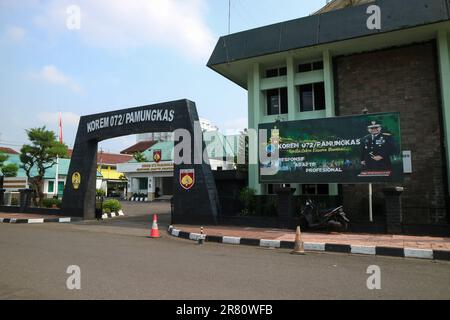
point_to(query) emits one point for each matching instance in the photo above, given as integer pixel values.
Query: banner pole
(370, 203)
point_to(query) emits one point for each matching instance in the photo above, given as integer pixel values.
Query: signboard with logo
(354, 149)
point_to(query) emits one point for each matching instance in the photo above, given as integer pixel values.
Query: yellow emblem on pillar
(76, 180)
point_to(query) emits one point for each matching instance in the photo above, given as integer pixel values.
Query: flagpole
(55, 189)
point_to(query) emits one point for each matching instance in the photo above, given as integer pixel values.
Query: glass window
(276, 72)
(311, 66)
(315, 189)
(319, 96)
(312, 97)
(306, 98)
(143, 183)
(277, 102)
(51, 187)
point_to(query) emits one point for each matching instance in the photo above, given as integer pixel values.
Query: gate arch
(199, 204)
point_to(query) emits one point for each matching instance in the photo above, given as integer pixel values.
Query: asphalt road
(118, 261)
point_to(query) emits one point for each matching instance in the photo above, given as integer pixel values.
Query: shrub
(248, 200)
(14, 202)
(48, 203)
(112, 204)
(100, 193)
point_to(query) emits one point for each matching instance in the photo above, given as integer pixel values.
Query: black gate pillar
(25, 199)
(393, 202)
(2, 197)
(285, 206)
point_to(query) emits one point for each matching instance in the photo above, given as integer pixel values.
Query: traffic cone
(155, 232)
(299, 247)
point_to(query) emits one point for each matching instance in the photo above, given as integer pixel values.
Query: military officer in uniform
(377, 149)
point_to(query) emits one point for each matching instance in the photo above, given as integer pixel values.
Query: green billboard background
(331, 150)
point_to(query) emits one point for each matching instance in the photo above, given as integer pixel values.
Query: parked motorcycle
(330, 219)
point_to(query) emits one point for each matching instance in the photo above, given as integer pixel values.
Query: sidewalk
(33, 218)
(379, 244)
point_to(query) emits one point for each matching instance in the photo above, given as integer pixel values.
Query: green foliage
(40, 154)
(14, 202)
(10, 170)
(112, 204)
(139, 157)
(3, 158)
(248, 200)
(48, 203)
(107, 210)
(100, 193)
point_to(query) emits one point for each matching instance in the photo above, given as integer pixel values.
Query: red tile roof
(108, 158)
(139, 147)
(8, 150)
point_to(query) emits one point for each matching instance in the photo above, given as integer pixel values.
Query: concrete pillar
(256, 99)
(329, 100)
(151, 188)
(443, 43)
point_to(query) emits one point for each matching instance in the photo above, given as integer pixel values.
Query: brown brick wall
(404, 80)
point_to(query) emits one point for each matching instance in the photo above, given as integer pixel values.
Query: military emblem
(187, 178)
(157, 155)
(76, 180)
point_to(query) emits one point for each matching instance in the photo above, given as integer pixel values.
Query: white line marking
(231, 240)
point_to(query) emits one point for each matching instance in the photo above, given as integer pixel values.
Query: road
(118, 261)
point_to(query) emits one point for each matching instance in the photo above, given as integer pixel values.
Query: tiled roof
(8, 150)
(139, 147)
(108, 158)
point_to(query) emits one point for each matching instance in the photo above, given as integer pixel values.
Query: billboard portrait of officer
(377, 149)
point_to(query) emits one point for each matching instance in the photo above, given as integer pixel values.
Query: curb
(112, 215)
(427, 254)
(35, 221)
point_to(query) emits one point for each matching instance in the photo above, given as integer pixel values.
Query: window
(277, 101)
(51, 187)
(276, 72)
(312, 97)
(273, 188)
(143, 183)
(311, 66)
(315, 189)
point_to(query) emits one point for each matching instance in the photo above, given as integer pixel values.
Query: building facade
(338, 63)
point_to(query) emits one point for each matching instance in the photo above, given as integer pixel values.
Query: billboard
(348, 150)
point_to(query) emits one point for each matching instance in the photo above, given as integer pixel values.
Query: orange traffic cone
(155, 232)
(299, 247)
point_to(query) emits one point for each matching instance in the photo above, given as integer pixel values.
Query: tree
(39, 156)
(10, 170)
(139, 157)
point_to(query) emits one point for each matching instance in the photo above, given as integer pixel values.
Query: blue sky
(126, 53)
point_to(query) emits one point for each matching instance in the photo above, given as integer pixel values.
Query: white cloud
(120, 25)
(52, 75)
(14, 33)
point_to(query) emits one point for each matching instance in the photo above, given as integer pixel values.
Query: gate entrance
(195, 198)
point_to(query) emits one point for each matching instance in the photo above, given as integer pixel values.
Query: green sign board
(349, 150)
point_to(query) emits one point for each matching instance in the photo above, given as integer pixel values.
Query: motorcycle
(331, 219)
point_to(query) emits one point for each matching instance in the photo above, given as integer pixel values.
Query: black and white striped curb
(39, 220)
(319, 247)
(112, 215)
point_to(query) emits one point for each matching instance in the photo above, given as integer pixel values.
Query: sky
(91, 56)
